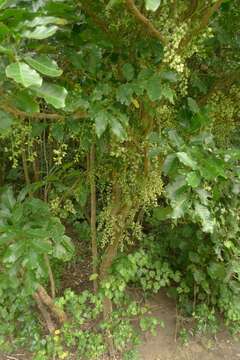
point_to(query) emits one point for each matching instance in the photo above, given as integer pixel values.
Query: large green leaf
(193, 179)
(118, 129)
(154, 88)
(152, 5)
(23, 74)
(44, 65)
(45, 20)
(193, 106)
(54, 95)
(128, 71)
(40, 32)
(101, 122)
(186, 160)
(6, 120)
(170, 164)
(25, 102)
(204, 214)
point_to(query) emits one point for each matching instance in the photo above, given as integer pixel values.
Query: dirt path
(164, 347)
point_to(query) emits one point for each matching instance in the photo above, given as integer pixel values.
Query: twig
(26, 172)
(145, 21)
(93, 213)
(50, 275)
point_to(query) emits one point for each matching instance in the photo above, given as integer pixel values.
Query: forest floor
(165, 346)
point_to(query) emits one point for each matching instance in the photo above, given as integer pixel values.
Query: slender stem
(26, 172)
(93, 213)
(50, 275)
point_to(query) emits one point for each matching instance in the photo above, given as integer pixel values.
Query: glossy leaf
(204, 214)
(152, 5)
(40, 32)
(45, 20)
(186, 160)
(44, 65)
(23, 74)
(193, 179)
(101, 122)
(54, 95)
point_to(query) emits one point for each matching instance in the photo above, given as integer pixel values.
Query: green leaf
(3, 3)
(199, 276)
(93, 277)
(152, 5)
(170, 76)
(60, 252)
(44, 65)
(6, 50)
(204, 214)
(175, 139)
(4, 31)
(175, 188)
(203, 196)
(58, 131)
(117, 129)
(124, 94)
(40, 32)
(216, 271)
(101, 122)
(25, 102)
(193, 179)
(170, 164)
(45, 20)
(154, 88)
(54, 95)
(8, 199)
(6, 120)
(128, 71)
(180, 205)
(193, 106)
(168, 93)
(186, 160)
(23, 74)
(162, 213)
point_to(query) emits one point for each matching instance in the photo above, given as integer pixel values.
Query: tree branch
(22, 114)
(209, 13)
(203, 23)
(41, 116)
(191, 10)
(144, 21)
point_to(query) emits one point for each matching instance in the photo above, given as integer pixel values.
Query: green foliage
(127, 127)
(28, 232)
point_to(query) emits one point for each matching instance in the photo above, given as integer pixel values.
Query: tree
(89, 94)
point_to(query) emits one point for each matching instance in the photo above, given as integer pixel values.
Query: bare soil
(165, 346)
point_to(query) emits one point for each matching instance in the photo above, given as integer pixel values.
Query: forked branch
(144, 21)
